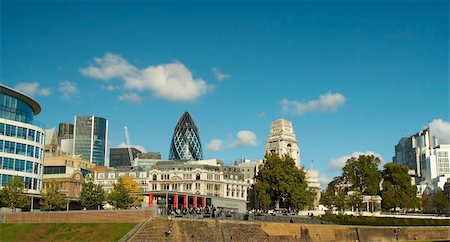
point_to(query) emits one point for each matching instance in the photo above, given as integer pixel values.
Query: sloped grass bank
(63, 231)
(377, 221)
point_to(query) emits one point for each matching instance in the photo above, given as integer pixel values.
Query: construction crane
(128, 144)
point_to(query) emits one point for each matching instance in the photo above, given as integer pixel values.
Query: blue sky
(352, 76)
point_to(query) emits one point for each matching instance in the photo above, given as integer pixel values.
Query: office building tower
(65, 131)
(91, 139)
(185, 143)
(121, 157)
(21, 140)
(282, 140)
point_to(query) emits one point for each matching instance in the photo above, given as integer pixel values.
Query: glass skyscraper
(185, 143)
(91, 139)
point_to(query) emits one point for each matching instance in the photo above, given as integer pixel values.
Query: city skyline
(350, 76)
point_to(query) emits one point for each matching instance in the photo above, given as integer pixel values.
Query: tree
(13, 194)
(362, 174)
(279, 181)
(427, 203)
(397, 188)
(440, 202)
(92, 195)
(123, 194)
(335, 194)
(133, 187)
(355, 201)
(52, 199)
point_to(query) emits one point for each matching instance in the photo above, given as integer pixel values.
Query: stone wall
(101, 216)
(178, 229)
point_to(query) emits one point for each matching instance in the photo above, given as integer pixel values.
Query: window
(29, 167)
(30, 150)
(154, 186)
(2, 129)
(9, 147)
(197, 176)
(21, 132)
(21, 149)
(20, 165)
(10, 130)
(8, 163)
(154, 177)
(31, 134)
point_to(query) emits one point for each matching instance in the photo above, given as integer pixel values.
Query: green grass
(376, 221)
(63, 231)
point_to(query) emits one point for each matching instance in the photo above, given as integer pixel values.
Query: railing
(278, 218)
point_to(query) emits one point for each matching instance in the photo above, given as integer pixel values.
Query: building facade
(422, 153)
(21, 140)
(185, 144)
(194, 183)
(91, 139)
(282, 140)
(121, 157)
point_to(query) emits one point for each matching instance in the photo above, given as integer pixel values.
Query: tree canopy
(52, 199)
(123, 194)
(280, 183)
(397, 188)
(362, 174)
(92, 195)
(13, 194)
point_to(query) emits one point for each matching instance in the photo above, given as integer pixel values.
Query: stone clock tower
(282, 140)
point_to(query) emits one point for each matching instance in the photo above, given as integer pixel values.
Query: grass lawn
(16, 232)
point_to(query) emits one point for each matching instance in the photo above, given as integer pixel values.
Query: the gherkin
(185, 143)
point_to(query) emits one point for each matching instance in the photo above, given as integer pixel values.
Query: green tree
(280, 182)
(397, 188)
(362, 174)
(334, 194)
(123, 194)
(52, 199)
(440, 202)
(355, 201)
(92, 195)
(427, 203)
(13, 194)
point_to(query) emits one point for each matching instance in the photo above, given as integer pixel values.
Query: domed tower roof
(185, 143)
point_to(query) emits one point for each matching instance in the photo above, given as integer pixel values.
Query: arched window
(197, 176)
(154, 177)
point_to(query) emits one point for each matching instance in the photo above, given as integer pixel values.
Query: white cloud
(336, 164)
(171, 81)
(110, 87)
(324, 180)
(130, 97)
(219, 74)
(32, 89)
(327, 102)
(216, 144)
(110, 66)
(68, 89)
(245, 138)
(440, 129)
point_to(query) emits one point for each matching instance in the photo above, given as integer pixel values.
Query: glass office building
(186, 143)
(21, 141)
(91, 139)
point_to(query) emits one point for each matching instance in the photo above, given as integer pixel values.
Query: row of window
(21, 132)
(30, 183)
(21, 149)
(13, 108)
(21, 165)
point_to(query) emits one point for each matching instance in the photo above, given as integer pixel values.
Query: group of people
(208, 211)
